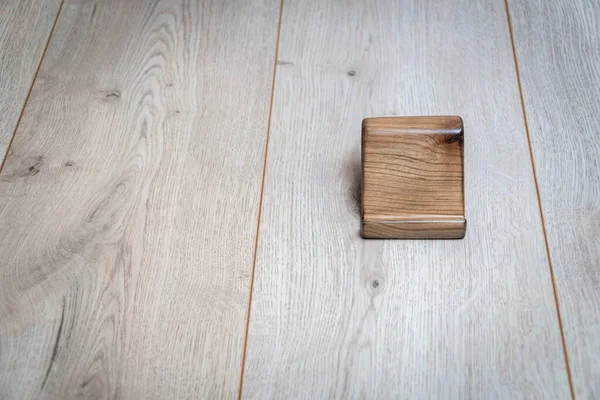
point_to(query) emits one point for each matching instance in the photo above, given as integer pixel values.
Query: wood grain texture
(336, 316)
(558, 51)
(129, 202)
(412, 178)
(24, 29)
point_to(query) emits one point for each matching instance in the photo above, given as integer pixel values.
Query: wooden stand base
(412, 178)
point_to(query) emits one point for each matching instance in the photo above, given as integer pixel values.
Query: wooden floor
(179, 200)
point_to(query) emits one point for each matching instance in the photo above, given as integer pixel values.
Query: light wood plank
(335, 316)
(24, 29)
(558, 50)
(129, 202)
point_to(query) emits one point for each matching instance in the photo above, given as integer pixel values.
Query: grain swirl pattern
(129, 201)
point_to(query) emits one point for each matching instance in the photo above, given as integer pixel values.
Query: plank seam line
(260, 202)
(37, 71)
(539, 200)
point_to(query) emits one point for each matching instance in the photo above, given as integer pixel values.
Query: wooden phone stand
(412, 178)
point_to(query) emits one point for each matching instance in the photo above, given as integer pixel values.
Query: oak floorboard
(129, 202)
(336, 316)
(558, 51)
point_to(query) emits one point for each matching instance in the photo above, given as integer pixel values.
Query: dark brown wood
(412, 178)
